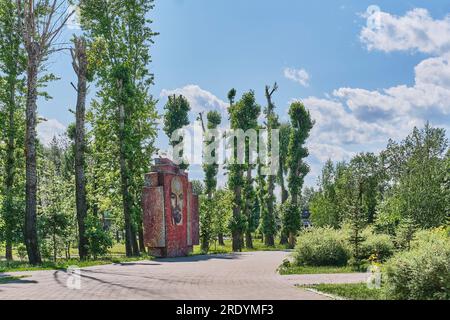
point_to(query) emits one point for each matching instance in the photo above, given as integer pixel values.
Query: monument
(170, 211)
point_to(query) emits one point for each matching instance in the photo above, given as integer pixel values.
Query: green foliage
(206, 223)
(321, 247)
(22, 252)
(243, 115)
(176, 115)
(99, 241)
(123, 117)
(211, 170)
(57, 200)
(417, 165)
(405, 234)
(302, 124)
(423, 273)
(197, 187)
(377, 247)
(291, 218)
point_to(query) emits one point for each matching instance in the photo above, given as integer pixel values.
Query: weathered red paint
(162, 236)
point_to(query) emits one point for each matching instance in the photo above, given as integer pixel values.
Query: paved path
(243, 276)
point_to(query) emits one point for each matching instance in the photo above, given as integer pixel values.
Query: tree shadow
(200, 258)
(112, 284)
(130, 264)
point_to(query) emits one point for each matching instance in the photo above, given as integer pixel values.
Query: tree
(56, 199)
(354, 215)
(417, 170)
(211, 171)
(80, 66)
(41, 22)
(121, 35)
(12, 66)
(176, 116)
(243, 116)
(302, 124)
(285, 133)
(268, 216)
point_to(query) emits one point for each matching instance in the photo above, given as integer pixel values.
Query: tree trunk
(80, 66)
(248, 235)
(284, 238)
(269, 236)
(248, 240)
(292, 240)
(126, 197)
(10, 174)
(141, 238)
(221, 241)
(236, 234)
(31, 237)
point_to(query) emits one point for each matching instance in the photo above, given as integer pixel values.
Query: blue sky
(362, 85)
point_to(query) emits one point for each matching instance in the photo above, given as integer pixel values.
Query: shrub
(321, 247)
(99, 240)
(22, 252)
(379, 245)
(423, 273)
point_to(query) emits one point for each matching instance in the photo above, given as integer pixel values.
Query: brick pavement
(244, 276)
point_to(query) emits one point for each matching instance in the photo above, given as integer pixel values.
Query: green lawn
(358, 291)
(315, 270)
(258, 245)
(12, 266)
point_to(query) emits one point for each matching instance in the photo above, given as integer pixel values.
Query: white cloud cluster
(199, 99)
(358, 119)
(415, 31)
(48, 129)
(297, 75)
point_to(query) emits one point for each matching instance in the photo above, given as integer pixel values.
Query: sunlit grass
(258, 245)
(315, 270)
(355, 291)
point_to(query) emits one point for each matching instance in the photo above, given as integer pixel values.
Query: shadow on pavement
(199, 258)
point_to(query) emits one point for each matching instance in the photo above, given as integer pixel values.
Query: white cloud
(48, 129)
(415, 31)
(358, 119)
(297, 75)
(199, 99)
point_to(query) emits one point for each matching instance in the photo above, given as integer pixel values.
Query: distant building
(306, 218)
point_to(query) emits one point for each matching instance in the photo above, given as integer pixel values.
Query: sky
(367, 71)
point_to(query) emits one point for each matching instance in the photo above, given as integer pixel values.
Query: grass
(8, 279)
(62, 264)
(314, 270)
(358, 291)
(258, 245)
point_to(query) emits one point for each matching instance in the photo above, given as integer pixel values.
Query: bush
(379, 245)
(321, 247)
(99, 240)
(423, 273)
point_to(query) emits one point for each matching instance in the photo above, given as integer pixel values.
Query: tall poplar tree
(80, 66)
(121, 36)
(302, 124)
(41, 22)
(176, 116)
(211, 170)
(268, 218)
(12, 67)
(243, 115)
